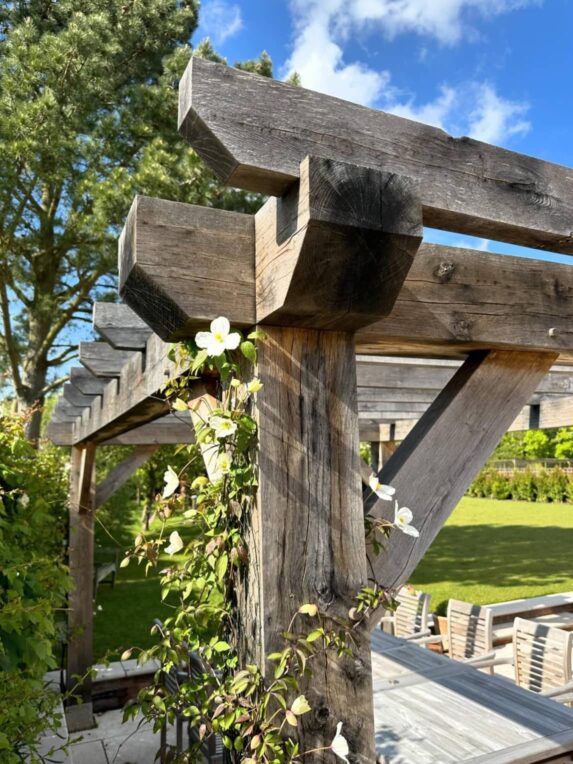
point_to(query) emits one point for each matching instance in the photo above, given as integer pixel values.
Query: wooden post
(81, 556)
(308, 526)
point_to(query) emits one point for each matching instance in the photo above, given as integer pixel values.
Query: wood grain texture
(120, 326)
(60, 433)
(103, 360)
(437, 461)
(432, 710)
(173, 429)
(453, 300)
(254, 132)
(80, 559)
(309, 523)
(334, 251)
(182, 265)
(474, 300)
(75, 397)
(121, 473)
(86, 382)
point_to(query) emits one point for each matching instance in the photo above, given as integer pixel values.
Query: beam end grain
(334, 251)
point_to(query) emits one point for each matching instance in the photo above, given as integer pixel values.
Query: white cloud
(469, 108)
(220, 20)
(472, 108)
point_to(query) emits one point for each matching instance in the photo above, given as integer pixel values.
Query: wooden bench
(105, 571)
(549, 609)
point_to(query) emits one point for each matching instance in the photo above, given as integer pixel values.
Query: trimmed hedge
(545, 485)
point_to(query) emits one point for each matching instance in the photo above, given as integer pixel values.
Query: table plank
(431, 710)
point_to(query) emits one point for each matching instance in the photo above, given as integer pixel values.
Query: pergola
(371, 334)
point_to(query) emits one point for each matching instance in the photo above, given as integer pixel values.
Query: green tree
(88, 105)
(564, 443)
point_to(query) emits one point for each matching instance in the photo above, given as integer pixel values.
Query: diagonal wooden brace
(334, 251)
(434, 466)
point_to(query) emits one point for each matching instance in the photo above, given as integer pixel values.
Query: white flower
(99, 608)
(175, 543)
(24, 500)
(224, 463)
(384, 492)
(402, 519)
(171, 482)
(223, 426)
(218, 339)
(339, 745)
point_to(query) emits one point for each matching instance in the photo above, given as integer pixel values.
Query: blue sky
(497, 70)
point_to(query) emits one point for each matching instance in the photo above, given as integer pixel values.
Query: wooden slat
(309, 523)
(75, 397)
(103, 360)
(435, 464)
(172, 429)
(181, 265)
(122, 472)
(120, 326)
(254, 132)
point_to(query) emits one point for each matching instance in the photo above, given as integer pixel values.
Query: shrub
(500, 488)
(523, 486)
(33, 584)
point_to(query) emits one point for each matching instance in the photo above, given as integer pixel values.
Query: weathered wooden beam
(338, 217)
(80, 604)
(60, 433)
(254, 132)
(308, 525)
(103, 360)
(452, 302)
(473, 300)
(86, 382)
(181, 265)
(134, 399)
(433, 467)
(120, 474)
(64, 411)
(173, 429)
(120, 326)
(75, 397)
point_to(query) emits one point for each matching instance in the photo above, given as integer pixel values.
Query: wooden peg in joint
(334, 251)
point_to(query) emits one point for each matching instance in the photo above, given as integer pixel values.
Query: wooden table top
(431, 710)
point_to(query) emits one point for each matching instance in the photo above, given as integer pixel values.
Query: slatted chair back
(470, 630)
(542, 655)
(411, 616)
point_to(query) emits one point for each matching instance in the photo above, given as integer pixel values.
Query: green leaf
(221, 647)
(221, 567)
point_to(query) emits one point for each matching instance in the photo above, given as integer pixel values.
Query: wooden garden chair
(410, 620)
(470, 635)
(542, 659)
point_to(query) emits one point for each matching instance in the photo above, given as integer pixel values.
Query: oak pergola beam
(86, 382)
(255, 131)
(452, 302)
(75, 397)
(433, 467)
(120, 326)
(102, 359)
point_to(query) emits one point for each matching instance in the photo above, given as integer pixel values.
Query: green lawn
(491, 551)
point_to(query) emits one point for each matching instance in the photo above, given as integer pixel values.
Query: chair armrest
(417, 635)
(556, 691)
(430, 640)
(387, 619)
(488, 660)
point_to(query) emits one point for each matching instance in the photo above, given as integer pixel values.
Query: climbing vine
(203, 528)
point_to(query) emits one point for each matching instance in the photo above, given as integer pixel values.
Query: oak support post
(81, 562)
(308, 527)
